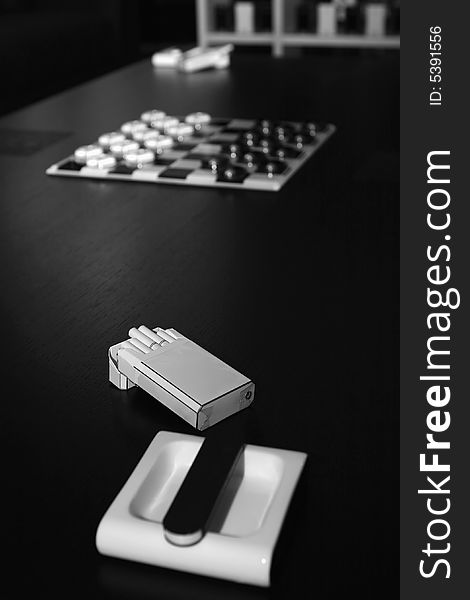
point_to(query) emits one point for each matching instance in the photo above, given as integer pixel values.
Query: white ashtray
(244, 527)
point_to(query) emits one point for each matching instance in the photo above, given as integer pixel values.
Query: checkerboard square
(171, 173)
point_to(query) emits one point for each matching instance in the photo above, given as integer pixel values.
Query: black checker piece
(272, 167)
(265, 126)
(232, 174)
(253, 158)
(301, 139)
(282, 152)
(250, 138)
(216, 163)
(235, 151)
(281, 133)
(318, 127)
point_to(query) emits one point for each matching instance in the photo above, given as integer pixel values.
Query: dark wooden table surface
(296, 289)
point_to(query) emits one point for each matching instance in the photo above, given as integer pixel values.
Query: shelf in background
(231, 37)
(279, 38)
(304, 39)
(346, 39)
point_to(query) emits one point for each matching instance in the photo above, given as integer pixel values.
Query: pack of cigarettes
(181, 375)
(196, 59)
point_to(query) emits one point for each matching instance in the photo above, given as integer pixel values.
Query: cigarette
(167, 337)
(152, 335)
(139, 335)
(139, 345)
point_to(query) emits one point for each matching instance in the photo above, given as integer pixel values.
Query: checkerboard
(228, 153)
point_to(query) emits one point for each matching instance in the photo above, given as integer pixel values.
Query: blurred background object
(49, 46)
(292, 24)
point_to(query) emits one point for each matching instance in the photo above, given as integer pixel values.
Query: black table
(296, 289)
